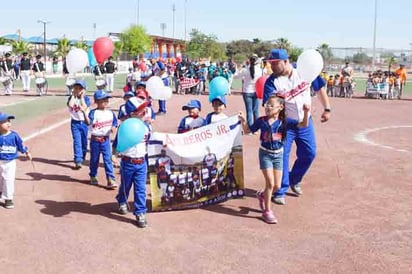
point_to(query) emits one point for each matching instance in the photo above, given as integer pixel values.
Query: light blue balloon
(131, 132)
(219, 86)
(92, 59)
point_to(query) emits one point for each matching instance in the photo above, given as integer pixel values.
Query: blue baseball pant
(162, 106)
(106, 150)
(79, 134)
(133, 174)
(305, 154)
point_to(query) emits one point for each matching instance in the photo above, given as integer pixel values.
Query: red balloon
(260, 85)
(103, 48)
(142, 66)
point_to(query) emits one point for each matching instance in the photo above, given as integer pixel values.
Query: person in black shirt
(110, 68)
(98, 76)
(25, 71)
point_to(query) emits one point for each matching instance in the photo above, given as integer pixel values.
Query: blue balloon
(131, 132)
(92, 59)
(219, 86)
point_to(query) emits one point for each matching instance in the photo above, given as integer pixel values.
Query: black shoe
(141, 220)
(9, 204)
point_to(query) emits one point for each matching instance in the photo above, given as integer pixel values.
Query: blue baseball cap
(100, 94)
(161, 65)
(81, 83)
(141, 84)
(222, 99)
(135, 104)
(192, 104)
(278, 55)
(129, 93)
(5, 117)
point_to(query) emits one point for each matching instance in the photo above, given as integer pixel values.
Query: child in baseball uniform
(122, 110)
(218, 104)
(272, 128)
(78, 104)
(10, 144)
(192, 120)
(102, 123)
(133, 166)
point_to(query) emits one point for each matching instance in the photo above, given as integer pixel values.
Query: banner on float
(200, 167)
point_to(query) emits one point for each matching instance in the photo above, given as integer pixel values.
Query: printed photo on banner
(196, 168)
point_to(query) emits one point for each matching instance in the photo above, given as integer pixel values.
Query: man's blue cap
(4, 117)
(81, 83)
(135, 104)
(101, 94)
(278, 55)
(192, 104)
(222, 99)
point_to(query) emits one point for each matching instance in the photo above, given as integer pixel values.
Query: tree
(135, 40)
(294, 53)
(201, 45)
(118, 49)
(326, 52)
(283, 43)
(81, 45)
(361, 58)
(63, 47)
(262, 49)
(391, 61)
(20, 46)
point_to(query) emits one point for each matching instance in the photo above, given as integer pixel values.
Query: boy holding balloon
(131, 142)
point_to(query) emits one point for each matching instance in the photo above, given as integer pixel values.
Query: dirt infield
(354, 216)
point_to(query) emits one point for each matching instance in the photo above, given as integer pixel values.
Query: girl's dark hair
(282, 114)
(252, 61)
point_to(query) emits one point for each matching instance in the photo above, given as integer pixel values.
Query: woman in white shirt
(249, 76)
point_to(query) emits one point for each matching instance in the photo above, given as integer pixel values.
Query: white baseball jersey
(101, 122)
(296, 92)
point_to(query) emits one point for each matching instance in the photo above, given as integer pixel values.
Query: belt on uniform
(137, 161)
(78, 121)
(100, 139)
(271, 150)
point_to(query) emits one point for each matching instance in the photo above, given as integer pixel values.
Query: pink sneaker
(269, 217)
(261, 199)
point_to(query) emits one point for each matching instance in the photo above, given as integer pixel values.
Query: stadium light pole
(173, 9)
(44, 22)
(374, 37)
(185, 17)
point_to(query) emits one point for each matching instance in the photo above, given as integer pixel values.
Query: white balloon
(309, 64)
(76, 60)
(166, 93)
(155, 87)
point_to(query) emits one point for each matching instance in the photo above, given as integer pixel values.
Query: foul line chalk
(54, 126)
(362, 137)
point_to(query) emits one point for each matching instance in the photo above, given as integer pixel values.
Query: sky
(306, 24)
